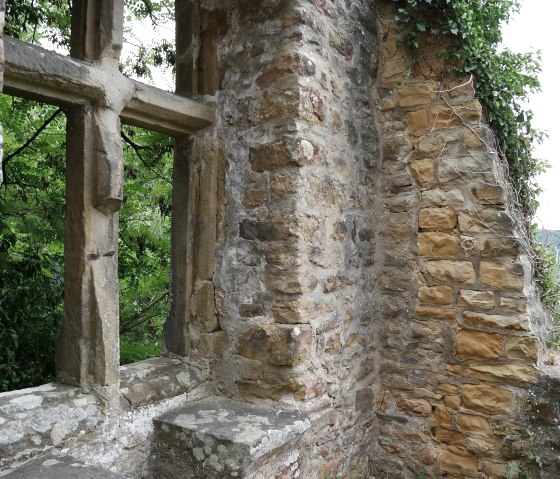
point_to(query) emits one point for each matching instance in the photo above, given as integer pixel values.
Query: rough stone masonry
(345, 250)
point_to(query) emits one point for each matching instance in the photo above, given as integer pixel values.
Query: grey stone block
(60, 467)
(219, 437)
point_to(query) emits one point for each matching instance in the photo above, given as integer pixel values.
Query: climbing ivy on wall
(503, 81)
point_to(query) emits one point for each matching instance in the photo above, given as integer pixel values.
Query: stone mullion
(88, 348)
(88, 352)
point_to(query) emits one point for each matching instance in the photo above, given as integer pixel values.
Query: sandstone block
(476, 299)
(495, 470)
(290, 284)
(450, 271)
(489, 194)
(473, 423)
(502, 276)
(394, 71)
(251, 310)
(276, 344)
(414, 407)
(459, 462)
(461, 171)
(441, 416)
(478, 345)
(506, 373)
(469, 245)
(452, 401)
(437, 244)
(481, 446)
(449, 436)
(435, 294)
(501, 248)
(417, 94)
(435, 313)
(254, 199)
(203, 308)
(487, 399)
(423, 170)
(212, 345)
(513, 305)
(522, 347)
(488, 220)
(452, 198)
(437, 218)
(514, 323)
(473, 141)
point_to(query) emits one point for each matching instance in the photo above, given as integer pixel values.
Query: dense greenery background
(32, 213)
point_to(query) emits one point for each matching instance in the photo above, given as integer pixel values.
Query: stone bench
(221, 438)
(53, 466)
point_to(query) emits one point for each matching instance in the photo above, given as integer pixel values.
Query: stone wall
(294, 278)
(460, 324)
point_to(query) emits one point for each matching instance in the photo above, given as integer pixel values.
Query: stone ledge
(53, 466)
(218, 437)
(44, 416)
(154, 380)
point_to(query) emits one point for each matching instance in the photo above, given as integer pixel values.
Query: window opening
(144, 242)
(31, 240)
(148, 53)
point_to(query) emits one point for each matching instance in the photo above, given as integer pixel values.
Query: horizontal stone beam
(39, 74)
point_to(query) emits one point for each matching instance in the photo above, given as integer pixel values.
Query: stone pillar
(192, 326)
(88, 348)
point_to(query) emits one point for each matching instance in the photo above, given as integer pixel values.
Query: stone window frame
(97, 98)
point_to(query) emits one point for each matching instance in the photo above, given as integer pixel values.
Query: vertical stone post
(88, 348)
(192, 326)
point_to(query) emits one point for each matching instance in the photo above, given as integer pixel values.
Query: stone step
(219, 438)
(52, 466)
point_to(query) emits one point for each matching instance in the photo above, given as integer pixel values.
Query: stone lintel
(165, 112)
(53, 466)
(39, 74)
(227, 436)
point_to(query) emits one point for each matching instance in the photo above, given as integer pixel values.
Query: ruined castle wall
(460, 327)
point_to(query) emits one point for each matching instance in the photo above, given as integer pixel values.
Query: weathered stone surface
(478, 345)
(502, 276)
(501, 248)
(452, 198)
(423, 170)
(513, 305)
(458, 461)
(452, 401)
(451, 271)
(442, 117)
(154, 380)
(449, 436)
(437, 244)
(218, 435)
(515, 323)
(394, 71)
(414, 407)
(54, 466)
(487, 399)
(212, 345)
(469, 245)
(279, 345)
(441, 415)
(417, 94)
(489, 194)
(481, 446)
(495, 470)
(506, 374)
(522, 347)
(473, 423)
(435, 313)
(476, 299)
(435, 294)
(458, 171)
(437, 218)
(487, 220)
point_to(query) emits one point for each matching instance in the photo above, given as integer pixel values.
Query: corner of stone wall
(462, 332)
